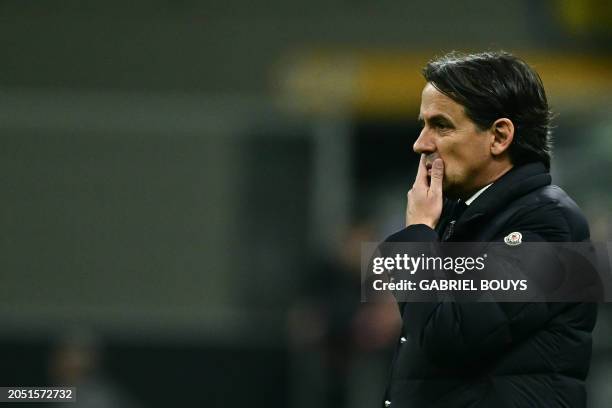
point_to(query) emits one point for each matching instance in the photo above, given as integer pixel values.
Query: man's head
(482, 114)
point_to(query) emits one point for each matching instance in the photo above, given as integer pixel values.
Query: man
(483, 175)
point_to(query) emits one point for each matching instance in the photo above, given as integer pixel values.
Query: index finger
(437, 174)
(421, 177)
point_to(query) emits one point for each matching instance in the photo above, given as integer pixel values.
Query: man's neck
(483, 185)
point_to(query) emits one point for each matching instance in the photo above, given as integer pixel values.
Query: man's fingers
(437, 174)
(421, 177)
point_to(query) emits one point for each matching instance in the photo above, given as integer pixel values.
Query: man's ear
(503, 134)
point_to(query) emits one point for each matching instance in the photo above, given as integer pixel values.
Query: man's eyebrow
(437, 118)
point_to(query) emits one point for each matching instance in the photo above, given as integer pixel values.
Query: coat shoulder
(552, 213)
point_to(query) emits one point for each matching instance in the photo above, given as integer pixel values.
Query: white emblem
(513, 238)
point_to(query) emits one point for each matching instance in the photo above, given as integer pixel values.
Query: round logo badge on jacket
(513, 238)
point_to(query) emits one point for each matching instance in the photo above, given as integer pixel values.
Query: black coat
(497, 354)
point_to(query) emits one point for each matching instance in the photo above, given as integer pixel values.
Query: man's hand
(425, 198)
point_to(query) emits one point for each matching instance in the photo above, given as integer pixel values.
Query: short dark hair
(493, 85)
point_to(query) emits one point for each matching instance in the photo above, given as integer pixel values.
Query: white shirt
(475, 196)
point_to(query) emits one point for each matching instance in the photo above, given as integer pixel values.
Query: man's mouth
(428, 166)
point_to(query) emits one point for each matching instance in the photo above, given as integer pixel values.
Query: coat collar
(514, 184)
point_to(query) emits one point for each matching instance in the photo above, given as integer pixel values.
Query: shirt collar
(475, 196)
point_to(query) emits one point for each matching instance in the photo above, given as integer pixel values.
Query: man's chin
(449, 190)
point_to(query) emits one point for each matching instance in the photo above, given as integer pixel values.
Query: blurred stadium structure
(177, 177)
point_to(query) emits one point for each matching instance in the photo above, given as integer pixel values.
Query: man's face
(450, 135)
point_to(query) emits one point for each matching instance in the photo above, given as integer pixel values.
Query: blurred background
(185, 185)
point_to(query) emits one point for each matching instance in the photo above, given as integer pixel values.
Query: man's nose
(424, 143)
